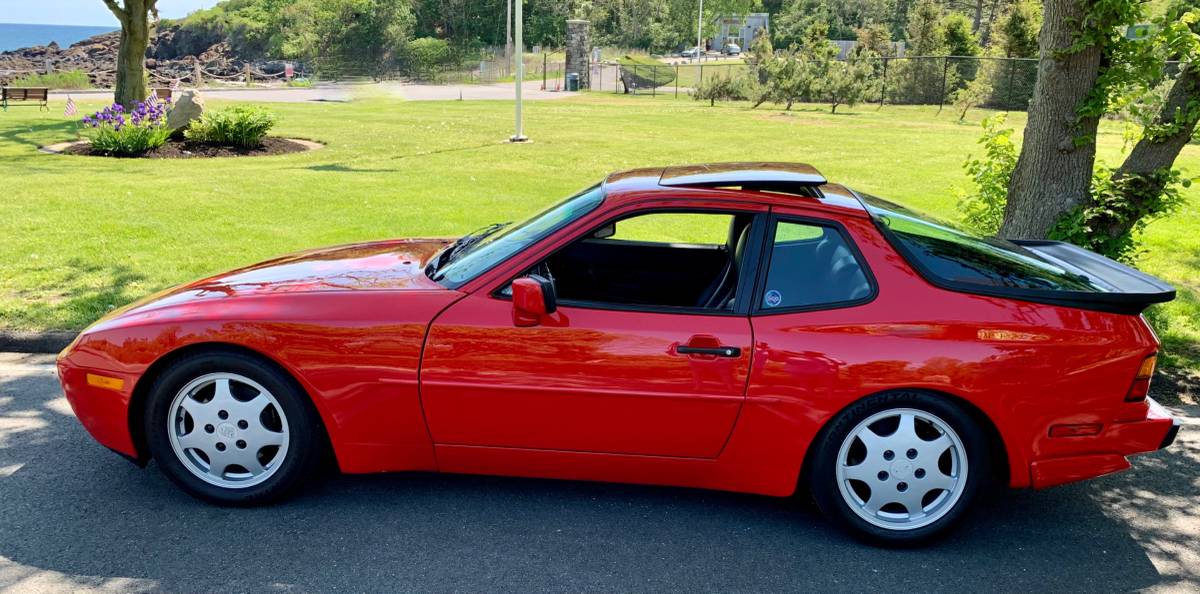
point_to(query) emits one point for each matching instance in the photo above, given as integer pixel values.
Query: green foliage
(875, 38)
(302, 83)
(61, 79)
(848, 82)
(721, 87)
(426, 54)
(961, 41)
(973, 94)
(242, 126)
(983, 210)
(921, 80)
(1116, 202)
(127, 140)
(1014, 35)
(842, 18)
(367, 33)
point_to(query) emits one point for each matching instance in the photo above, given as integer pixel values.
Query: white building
(739, 29)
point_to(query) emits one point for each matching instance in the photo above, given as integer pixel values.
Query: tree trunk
(136, 27)
(1054, 172)
(1153, 156)
(978, 19)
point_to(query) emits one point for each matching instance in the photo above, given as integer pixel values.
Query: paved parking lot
(74, 517)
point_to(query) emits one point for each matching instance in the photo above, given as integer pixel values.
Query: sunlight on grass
(81, 235)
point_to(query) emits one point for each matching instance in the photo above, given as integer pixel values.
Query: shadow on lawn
(74, 516)
(82, 292)
(28, 134)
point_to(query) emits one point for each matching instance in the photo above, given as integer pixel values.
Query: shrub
(63, 79)
(113, 130)
(719, 88)
(300, 83)
(983, 210)
(242, 126)
(425, 54)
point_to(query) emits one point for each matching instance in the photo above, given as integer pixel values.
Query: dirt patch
(187, 149)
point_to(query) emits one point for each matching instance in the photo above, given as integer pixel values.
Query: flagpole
(519, 57)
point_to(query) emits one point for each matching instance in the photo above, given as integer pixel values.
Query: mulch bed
(187, 149)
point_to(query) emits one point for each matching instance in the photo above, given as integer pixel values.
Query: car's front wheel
(231, 429)
(899, 468)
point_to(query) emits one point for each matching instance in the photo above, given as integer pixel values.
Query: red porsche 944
(740, 326)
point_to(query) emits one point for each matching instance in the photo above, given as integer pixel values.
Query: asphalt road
(75, 517)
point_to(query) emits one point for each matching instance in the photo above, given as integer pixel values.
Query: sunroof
(764, 176)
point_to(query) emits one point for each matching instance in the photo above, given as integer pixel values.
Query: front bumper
(103, 411)
(1108, 452)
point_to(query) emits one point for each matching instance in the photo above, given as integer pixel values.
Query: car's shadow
(74, 516)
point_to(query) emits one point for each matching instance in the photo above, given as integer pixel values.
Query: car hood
(379, 265)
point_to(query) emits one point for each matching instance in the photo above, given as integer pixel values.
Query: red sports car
(743, 326)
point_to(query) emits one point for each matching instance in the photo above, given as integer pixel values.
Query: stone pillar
(578, 46)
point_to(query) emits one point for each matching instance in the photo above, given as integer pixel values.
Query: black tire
(306, 443)
(823, 462)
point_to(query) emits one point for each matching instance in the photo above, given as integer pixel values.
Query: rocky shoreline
(172, 55)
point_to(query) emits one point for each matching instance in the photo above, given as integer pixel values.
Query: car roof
(765, 182)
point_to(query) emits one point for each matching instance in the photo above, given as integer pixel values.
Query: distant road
(340, 93)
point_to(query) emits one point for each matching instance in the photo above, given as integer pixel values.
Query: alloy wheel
(901, 469)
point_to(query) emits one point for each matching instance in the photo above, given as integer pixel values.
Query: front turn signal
(1141, 382)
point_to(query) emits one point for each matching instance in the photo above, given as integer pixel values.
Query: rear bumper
(1108, 452)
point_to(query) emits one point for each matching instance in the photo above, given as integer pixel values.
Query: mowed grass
(82, 235)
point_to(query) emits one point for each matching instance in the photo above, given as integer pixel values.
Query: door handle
(720, 351)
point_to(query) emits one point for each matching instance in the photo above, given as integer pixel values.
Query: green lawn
(81, 235)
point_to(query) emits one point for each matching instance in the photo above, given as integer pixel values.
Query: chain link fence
(906, 80)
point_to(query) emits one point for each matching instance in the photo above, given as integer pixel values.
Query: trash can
(573, 81)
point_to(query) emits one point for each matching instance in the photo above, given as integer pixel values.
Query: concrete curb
(35, 342)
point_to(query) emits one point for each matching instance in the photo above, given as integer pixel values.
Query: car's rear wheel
(231, 429)
(900, 467)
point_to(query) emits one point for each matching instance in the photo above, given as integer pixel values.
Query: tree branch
(120, 13)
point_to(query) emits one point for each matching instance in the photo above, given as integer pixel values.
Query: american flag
(153, 99)
(70, 110)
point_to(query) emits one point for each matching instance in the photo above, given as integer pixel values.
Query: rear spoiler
(1129, 291)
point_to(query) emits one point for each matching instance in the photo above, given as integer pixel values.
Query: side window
(811, 265)
(675, 227)
(676, 260)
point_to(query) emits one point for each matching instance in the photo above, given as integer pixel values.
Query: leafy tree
(875, 38)
(137, 18)
(961, 41)
(973, 94)
(920, 80)
(1014, 35)
(847, 82)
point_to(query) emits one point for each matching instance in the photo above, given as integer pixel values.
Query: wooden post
(246, 71)
(197, 76)
(677, 80)
(883, 85)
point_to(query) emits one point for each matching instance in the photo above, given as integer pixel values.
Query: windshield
(955, 257)
(491, 249)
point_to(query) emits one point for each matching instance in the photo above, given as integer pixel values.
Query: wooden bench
(17, 94)
(163, 95)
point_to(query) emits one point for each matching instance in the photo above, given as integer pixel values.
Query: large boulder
(187, 109)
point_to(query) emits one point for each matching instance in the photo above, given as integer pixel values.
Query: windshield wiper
(464, 242)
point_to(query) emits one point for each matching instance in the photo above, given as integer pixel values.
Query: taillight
(1141, 382)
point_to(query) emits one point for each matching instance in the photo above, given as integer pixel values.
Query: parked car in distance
(731, 49)
(742, 326)
(692, 52)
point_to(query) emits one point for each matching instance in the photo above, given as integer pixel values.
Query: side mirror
(533, 297)
(605, 232)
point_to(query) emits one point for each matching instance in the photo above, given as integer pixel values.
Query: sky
(84, 12)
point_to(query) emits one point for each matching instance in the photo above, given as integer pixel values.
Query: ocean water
(15, 36)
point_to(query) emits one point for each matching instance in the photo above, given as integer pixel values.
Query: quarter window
(812, 265)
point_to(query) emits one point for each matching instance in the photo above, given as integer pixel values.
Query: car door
(590, 378)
